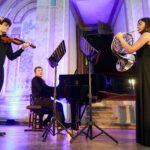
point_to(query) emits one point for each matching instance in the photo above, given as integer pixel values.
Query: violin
(16, 41)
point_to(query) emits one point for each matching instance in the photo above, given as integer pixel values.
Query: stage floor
(17, 139)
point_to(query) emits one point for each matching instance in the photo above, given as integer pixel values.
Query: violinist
(6, 49)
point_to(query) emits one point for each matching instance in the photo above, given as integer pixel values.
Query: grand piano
(75, 89)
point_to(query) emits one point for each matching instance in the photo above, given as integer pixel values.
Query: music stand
(88, 50)
(53, 61)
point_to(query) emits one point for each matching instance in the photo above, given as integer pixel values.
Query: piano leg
(74, 115)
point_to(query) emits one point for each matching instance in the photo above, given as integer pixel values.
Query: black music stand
(53, 61)
(88, 50)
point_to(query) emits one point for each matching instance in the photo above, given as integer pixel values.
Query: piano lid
(100, 82)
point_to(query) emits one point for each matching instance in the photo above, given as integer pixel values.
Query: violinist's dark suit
(6, 50)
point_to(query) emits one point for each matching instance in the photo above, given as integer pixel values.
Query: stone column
(146, 8)
(43, 37)
(52, 28)
(62, 31)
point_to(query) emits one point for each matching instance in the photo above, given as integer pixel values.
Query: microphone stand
(53, 60)
(54, 121)
(90, 124)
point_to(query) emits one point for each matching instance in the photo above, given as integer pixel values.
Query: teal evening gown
(143, 96)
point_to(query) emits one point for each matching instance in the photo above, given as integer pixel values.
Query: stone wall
(45, 25)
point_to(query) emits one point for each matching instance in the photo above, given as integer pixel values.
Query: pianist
(41, 94)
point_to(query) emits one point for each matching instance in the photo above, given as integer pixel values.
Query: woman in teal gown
(142, 49)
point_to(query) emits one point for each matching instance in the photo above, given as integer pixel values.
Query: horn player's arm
(144, 38)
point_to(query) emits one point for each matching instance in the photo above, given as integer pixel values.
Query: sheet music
(88, 49)
(57, 54)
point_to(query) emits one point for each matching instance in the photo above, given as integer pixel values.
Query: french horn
(125, 60)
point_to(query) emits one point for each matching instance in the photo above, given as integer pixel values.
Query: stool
(37, 117)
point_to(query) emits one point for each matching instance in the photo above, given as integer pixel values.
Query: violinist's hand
(119, 35)
(1, 18)
(26, 44)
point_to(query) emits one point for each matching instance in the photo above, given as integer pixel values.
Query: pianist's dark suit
(41, 93)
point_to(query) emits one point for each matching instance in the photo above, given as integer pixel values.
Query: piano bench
(36, 113)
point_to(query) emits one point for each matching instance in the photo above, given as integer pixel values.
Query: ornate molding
(13, 8)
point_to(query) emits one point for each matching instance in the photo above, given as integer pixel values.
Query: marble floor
(17, 139)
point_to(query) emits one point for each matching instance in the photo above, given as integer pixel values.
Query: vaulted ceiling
(90, 12)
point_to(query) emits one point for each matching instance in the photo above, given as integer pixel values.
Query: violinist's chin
(4, 32)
